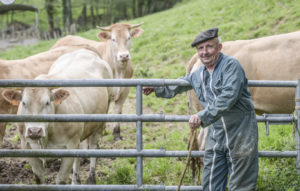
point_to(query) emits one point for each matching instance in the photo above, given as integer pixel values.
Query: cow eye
(23, 103)
(129, 38)
(47, 103)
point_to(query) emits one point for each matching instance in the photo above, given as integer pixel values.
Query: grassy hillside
(161, 52)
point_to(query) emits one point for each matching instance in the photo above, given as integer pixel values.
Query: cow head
(35, 101)
(119, 36)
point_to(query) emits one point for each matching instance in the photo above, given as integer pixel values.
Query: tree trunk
(84, 16)
(92, 14)
(50, 13)
(140, 7)
(65, 13)
(125, 16)
(69, 12)
(134, 8)
(97, 20)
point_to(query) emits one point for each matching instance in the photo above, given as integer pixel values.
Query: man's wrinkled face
(209, 52)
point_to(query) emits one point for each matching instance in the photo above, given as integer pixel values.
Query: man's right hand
(148, 90)
(194, 122)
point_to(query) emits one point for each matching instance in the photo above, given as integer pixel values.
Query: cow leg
(38, 170)
(2, 132)
(93, 144)
(118, 110)
(64, 171)
(76, 170)
(76, 165)
(67, 163)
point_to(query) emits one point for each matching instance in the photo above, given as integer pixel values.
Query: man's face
(209, 52)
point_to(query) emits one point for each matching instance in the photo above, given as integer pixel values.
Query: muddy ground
(18, 170)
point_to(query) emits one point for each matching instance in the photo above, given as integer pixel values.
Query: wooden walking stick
(188, 158)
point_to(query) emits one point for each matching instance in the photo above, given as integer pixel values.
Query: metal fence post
(297, 108)
(139, 136)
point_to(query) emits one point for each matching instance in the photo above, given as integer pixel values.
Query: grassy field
(161, 52)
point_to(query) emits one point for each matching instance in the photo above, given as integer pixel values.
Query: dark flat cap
(205, 35)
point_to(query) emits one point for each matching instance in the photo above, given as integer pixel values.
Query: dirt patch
(18, 170)
(14, 170)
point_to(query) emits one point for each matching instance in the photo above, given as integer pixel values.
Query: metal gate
(139, 152)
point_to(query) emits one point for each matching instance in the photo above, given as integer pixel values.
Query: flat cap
(205, 35)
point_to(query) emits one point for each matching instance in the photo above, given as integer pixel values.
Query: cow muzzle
(123, 57)
(35, 132)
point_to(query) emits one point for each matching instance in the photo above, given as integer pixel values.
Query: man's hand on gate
(194, 122)
(148, 90)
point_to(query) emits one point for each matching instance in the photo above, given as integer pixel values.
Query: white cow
(27, 68)
(81, 64)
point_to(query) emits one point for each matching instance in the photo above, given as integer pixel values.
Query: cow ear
(59, 96)
(104, 36)
(136, 32)
(12, 96)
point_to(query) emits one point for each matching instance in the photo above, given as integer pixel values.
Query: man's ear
(59, 96)
(12, 96)
(136, 32)
(220, 46)
(104, 36)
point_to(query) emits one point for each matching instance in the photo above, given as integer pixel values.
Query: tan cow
(114, 48)
(81, 64)
(268, 58)
(27, 68)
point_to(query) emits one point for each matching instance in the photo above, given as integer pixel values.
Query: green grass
(161, 52)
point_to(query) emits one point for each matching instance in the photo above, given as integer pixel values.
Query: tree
(50, 13)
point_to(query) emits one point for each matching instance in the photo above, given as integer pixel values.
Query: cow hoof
(76, 179)
(91, 178)
(38, 180)
(118, 137)
(117, 133)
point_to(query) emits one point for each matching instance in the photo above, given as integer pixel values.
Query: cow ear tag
(12, 96)
(60, 96)
(14, 102)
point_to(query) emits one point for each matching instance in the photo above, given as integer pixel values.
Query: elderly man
(232, 141)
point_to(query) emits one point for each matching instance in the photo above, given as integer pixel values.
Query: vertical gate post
(297, 108)
(139, 136)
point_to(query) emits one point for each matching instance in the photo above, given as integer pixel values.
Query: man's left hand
(194, 122)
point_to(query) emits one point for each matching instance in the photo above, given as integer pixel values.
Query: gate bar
(139, 136)
(57, 153)
(119, 117)
(297, 108)
(126, 83)
(95, 187)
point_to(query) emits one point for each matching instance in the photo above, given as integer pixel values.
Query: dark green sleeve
(172, 91)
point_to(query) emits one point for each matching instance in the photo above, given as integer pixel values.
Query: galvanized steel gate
(139, 152)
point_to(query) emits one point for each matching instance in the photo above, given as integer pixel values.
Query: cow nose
(35, 132)
(124, 56)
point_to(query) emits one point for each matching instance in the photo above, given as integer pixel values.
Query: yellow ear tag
(14, 102)
(57, 102)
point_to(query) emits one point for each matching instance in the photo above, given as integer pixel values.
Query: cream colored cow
(114, 48)
(27, 68)
(268, 58)
(80, 64)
